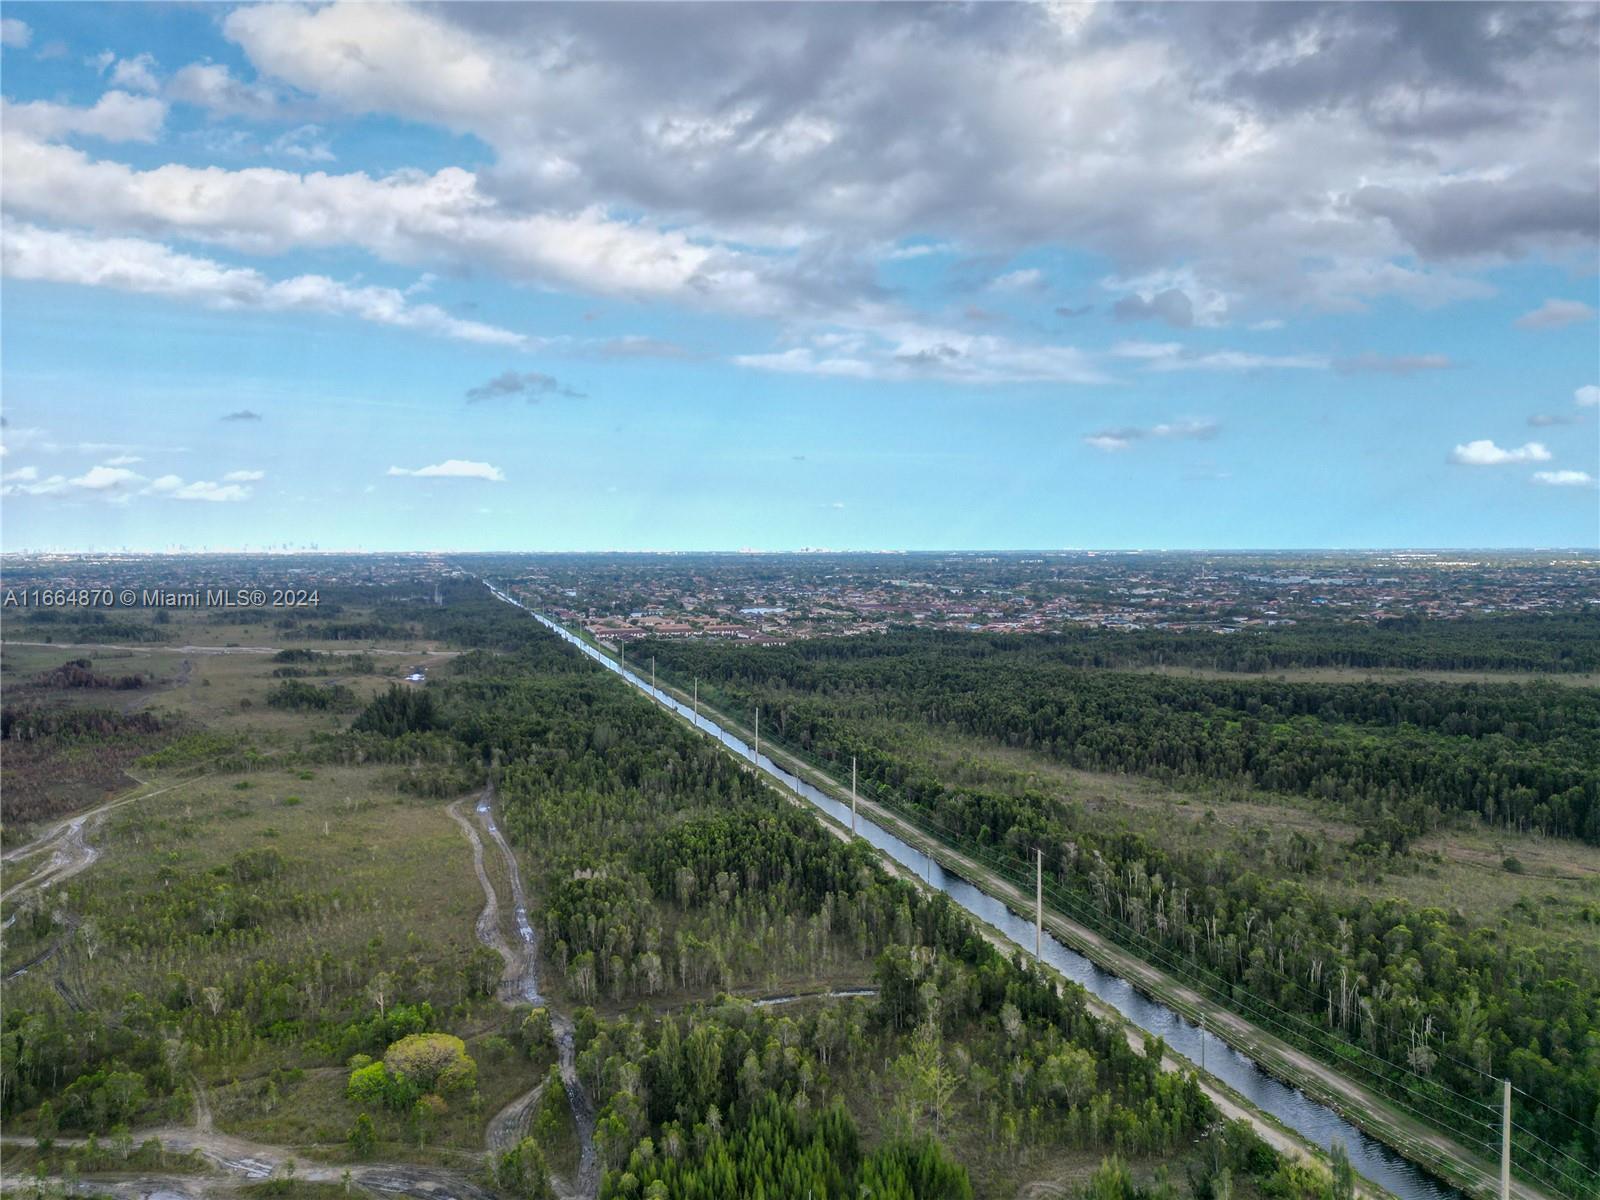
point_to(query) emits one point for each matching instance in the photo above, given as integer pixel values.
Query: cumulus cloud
(103, 482)
(119, 485)
(407, 217)
(1172, 306)
(1211, 135)
(1563, 478)
(765, 160)
(213, 87)
(14, 34)
(1124, 437)
(1392, 364)
(527, 385)
(1484, 453)
(453, 468)
(1555, 314)
(137, 74)
(117, 116)
(173, 487)
(149, 268)
(1588, 396)
(105, 478)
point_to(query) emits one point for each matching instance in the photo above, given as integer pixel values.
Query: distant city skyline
(899, 277)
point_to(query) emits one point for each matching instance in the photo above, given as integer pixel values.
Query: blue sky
(676, 277)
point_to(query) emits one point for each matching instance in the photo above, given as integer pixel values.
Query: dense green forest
(1416, 1000)
(1557, 642)
(1524, 756)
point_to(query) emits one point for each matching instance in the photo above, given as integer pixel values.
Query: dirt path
(66, 827)
(520, 985)
(67, 842)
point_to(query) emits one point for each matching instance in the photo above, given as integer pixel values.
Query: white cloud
(105, 478)
(1563, 478)
(453, 468)
(244, 476)
(1029, 279)
(31, 485)
(1235, 360)
(212, 87)
(802, 360)
(123, 460)
(1150, 138)
(134, 265)
(118, 485)
(103, 482)
(1147, 350)
(116, 117)
(1111, 440)
(406, 217)
(1484, 453)
(172, 487)
(884, 348)
(136, 74)
(14, 33)
(1172, 356)
(1588, 396)
(1554, 314)
(305, 143)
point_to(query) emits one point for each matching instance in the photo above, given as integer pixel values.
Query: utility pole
(1505, 1146)
(1038, 903)
(852, 795)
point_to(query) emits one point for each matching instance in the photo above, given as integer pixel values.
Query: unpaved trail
(510, 1125)
(67, 827)
(202, 1106)
(520, 985)
(67, 841)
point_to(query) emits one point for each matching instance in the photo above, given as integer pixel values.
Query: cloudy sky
(676, 276)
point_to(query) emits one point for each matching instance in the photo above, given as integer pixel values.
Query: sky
(674, 276)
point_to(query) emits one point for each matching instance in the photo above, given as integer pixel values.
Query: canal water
(1314, 1121)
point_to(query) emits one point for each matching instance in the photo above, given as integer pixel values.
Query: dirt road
(519, 984)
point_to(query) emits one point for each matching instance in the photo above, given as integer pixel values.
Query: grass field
(366, 880)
